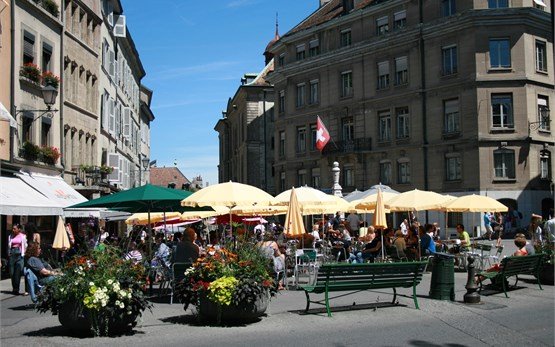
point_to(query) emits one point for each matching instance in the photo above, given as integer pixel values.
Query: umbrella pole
(150, 234)
(383, 251)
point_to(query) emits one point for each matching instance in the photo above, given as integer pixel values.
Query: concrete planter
(208, 310)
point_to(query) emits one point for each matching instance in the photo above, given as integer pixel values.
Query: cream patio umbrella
(305, 196)
(369, 202)
(218, 211)
(155, 217)
(417, 200)
(61, 240)
(257, 210)
(380, 220)
(294, 220)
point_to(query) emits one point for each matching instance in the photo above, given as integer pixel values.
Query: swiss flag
(322, 135)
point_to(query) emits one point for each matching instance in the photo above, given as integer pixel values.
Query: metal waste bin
(442, 286)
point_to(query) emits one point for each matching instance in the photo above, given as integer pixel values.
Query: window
(543, 113)
(382, 25)
(346, 83)
(345, 38)
(282, 143)
(300, 52)
(281, 59)
(313, 92)
(46, 125)
(502, 110)
(300, 94)
(449, 60)
(399, 20)
(313, 130)
(498, 3)
(539, 4)
(448, 8)
(282, 181)
(384, 126)
(385, 172)
(451, 116)
(545, 165)
(383, 75)
(541, 56)
(28, 47)
(401, 71)
(301, 177)
(301, 139)
(504, 163)
(403, 171)
(348, 129)
(46, 57)
(281, 101)
(402, 123)
(313, 48)
(454, 218)
(348, 176)
(453, 167)
(499, 53)
(316, 178)
(27, 127)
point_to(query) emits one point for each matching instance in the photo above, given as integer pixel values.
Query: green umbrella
(147, 198)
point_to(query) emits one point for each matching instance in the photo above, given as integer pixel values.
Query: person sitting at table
(464, 237)
(40, 268)
(427, 245)
(529, 248)
(316, 233)
(400, 243)
(271, 250)
(186, 250)
(370, 234)
(134, 254)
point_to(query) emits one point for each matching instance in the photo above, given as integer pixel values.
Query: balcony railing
(349, 146)
(90, 175)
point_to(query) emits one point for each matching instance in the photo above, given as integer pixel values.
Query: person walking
(17, 244)
(487, 225)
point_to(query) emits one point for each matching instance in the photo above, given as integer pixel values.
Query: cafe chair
(176, 275)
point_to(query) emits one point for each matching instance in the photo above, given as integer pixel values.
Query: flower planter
(208, 310)
(79, 320)
(546, 274)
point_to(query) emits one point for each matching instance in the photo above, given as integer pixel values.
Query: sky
(195, 53)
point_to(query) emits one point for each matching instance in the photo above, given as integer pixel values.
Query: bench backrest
(376, 275)
(521, 264)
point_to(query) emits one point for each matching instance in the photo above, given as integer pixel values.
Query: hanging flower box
(31, 72)
(49, 79)
(49, 155)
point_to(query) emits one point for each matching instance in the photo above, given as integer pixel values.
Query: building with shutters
(449, 96)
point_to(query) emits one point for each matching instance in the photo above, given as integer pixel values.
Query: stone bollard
(471, 296)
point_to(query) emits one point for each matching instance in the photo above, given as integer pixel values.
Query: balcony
(349, 146)
(90, 175)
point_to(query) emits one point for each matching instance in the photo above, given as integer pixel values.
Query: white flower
(91, 284)
(110, 281)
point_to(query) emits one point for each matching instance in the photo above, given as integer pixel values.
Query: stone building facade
(450, 96)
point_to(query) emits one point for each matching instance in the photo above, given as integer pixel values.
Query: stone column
(336, 189)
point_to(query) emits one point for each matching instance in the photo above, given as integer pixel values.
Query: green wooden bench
(359, 277)
(514, 266)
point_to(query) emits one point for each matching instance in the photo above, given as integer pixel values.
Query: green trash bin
(442, 286)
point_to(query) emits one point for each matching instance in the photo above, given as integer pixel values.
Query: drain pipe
(424, 97)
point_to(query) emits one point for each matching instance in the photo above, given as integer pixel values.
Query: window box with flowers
(31, 72)
(29, 151)
(49, 155)
(232, 283)
(98, 293)
(49, 79)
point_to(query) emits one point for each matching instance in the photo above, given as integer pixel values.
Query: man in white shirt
(354, 224)
(404, 227)
(550, 227)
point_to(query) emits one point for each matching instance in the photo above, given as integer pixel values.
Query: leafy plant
(227, 277)
(31, 72)
(106, 169)
(49, 79)
(108, 288)
(51, 7)
(49, 155)
(30, 151)
(546, 247)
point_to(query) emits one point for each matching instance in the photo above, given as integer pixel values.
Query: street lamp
(49, 95)
(145, 162)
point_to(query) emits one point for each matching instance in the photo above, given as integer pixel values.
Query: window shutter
(400, 15)
(119, 26)
(111, 67)
(401, 64)
(118, 119)
(112, 116)
(104, 107)
(383, 68)
(29, 44)
(126, 121)
(113, 162)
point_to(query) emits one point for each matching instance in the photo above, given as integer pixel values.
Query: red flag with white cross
(322, 135)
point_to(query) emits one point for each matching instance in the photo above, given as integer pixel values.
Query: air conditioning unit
(119, 26)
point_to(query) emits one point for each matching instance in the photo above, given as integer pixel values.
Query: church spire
(267, 54)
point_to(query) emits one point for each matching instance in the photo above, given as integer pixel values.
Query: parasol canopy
(417, 200)
(142, 218)
(228, 195)
(61, 240)
(474, 203)
(293, 220)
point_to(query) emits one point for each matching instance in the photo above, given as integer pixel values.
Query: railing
(90, 175)
(349, 146)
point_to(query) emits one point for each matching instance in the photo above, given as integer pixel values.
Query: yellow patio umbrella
(369, 202)
(293, 220)
(61, 240)
(305, 196)
(331, 205)
(257, 210)
(380, 220)
(474, 203)
(142, 218)
(417, 200)
(218, 211)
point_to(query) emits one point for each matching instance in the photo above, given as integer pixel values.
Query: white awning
(540, 3)
(5, 115)
(96, 212)
(54, 188)
(19, 199)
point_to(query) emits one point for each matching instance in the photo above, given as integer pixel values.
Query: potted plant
(98, 293)
(49, 79)
(49, 155)
(106, 170)
(51, 7)
(31, 72)
(546, 272)
(29, 151)
(229, 284)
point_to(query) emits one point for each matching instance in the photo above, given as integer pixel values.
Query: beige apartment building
(443, 95)
(7, 122)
